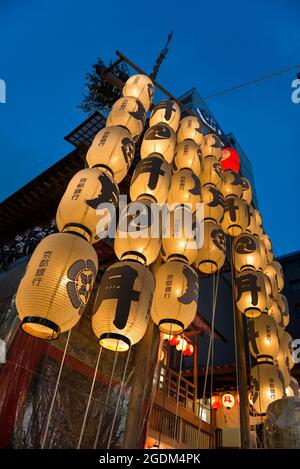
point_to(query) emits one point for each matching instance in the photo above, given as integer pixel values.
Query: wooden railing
(177, 389)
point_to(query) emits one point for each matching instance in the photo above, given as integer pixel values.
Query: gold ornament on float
(188, 155)
(140, 87)
(167, 112)
(248, 253)
(112, 150)
(88, 205)
(122, 306)
(138, 233)
(175, 297)
(128, 112)
(151, 179)
(185, 189)
(263, 338)
(212, 254)
(250, 293)
(236, 216)
(212, 172)
(213, 202)
(232, 184)
(267, 386)
(180, 235)
(161, 139)
(190, 128)
(212, 146)
(56, 286)
(247, 191)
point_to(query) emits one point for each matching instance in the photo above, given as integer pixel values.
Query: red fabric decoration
(230, 159)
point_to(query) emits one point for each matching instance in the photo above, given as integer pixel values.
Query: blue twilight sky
(47, 46)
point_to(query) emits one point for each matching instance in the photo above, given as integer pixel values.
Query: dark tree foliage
(101, 94)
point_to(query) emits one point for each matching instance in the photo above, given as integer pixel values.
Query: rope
(119, 398)
(90, 398)
(106, 397)
(55, 391)
(177, 398)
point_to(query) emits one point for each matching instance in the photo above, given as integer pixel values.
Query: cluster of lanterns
(180, 166)
(181, 344)
(227, 400)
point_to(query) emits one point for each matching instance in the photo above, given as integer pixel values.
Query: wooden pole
(241, 368)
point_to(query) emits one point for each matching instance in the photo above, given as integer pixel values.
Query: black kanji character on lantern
(192, 287)
(141, 219)
(158, 132)
(127, 149)
(217, 197)
(245, 244)
(237, 179)
(117, 284)
(108, 194)
(197, 185)
(231, 207)
(139, 114)
(218, 143)
(168, 106)
(218, 169)
(252, 335)
(151, 165)
(218, 238)
(247, 282)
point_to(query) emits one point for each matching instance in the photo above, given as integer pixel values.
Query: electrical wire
(252, 82)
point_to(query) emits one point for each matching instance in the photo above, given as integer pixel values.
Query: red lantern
(175, 340)
(230, 159)
(188, 351)
(215, 401)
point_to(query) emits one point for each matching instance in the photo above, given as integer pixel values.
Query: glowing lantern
(286, 345)
(185, 189)
(267, 383)
(247, 191)
(212, 254)
(212, 146)
(271, 272)
(190, 128)
(175, 299)
(215, 401)
(236, 216)
(230, 159)
(248, 253)
(122, 306)
(151, 179)
(140, 87)
(228, 400)
(189, 350)
(56, 286)
(188, 155)
(275, 312)
(283, 364)
(263, 337)
(138, 233)
(182, 345)
(166, 111)
(212, 172)
(232, 184)
(267, 242)
(279, 275)
(252, 228)
(112, 150)
(250, 293)
(213, 202)
(128, 112)
(180, 235)
(175, 340)
(257, 217)
(88, 205)
(161, 139)
(292, 390)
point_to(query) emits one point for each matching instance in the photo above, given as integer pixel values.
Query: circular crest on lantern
(190, 128)
(228, 400)
(212, 254)
(128, 112)
(166, 111)
(140, 87)
(161, 139)
(248, 253)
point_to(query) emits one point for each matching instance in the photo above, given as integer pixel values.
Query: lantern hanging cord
(156, 375)
(119, 398)
(55, 391)
(164, 398)
(214, 304)
(177, 398)
(90, 398)
(107, 396)
(214, 292)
